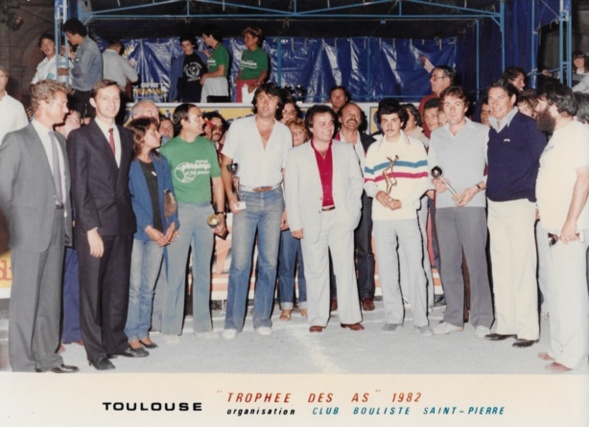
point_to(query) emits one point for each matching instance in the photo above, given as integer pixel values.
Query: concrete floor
(292, 349)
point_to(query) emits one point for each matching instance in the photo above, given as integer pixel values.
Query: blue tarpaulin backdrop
(372, 68)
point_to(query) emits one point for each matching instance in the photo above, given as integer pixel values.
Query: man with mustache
(561, 189)
(351, 118)
(215, 128)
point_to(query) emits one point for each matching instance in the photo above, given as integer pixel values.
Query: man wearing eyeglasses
(440, 78)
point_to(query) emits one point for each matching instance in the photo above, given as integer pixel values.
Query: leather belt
(327, 208)
(262, 189)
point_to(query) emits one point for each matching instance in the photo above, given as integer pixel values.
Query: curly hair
(45, 90)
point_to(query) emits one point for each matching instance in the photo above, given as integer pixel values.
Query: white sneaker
(446, 328)
(425, 331)
(481, 331)
(229, 334)
(264, 331)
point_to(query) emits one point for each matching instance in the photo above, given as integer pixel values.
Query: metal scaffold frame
(334, 10)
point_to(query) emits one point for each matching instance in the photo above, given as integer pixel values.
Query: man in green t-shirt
(215, 81)
(253, 68)
(194, 164)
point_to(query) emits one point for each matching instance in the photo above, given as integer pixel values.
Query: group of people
(195, 76)
(136, 200)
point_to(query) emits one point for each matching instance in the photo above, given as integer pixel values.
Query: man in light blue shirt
(87, 68)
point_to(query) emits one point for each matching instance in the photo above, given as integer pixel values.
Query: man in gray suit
(323, 189)
(34, 188)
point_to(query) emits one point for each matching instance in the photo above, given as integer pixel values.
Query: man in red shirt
(323, 202)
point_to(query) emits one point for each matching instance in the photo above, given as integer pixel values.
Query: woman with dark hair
(290, 255)
(413, 124)
(214, 82)
(579, 66)
(149, 179)
(253, 68)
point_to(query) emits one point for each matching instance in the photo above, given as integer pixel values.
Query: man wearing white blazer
(323, 189)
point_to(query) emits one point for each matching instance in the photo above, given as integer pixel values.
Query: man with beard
(351, 117)
(562, 188)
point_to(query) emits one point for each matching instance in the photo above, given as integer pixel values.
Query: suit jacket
(100, 189)
(27, 190)
(141, 197)
(304, 193)
(366, 140)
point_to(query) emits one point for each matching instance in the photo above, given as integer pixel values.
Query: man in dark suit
(353, 122)
(100, 154)
(34, 188)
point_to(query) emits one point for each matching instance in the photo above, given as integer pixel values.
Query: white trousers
(340, 243)
(568, 302)
(513, 263)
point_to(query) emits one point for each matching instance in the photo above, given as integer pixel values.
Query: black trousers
(104, 294)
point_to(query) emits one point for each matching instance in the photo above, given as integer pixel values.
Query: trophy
(232, 168)
(437, 173)
(213, 220)
(391, 181)
(170, 203)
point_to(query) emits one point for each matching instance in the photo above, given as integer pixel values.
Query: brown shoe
(353, 326)
(316, 329)
(557, 368)
(367, 304)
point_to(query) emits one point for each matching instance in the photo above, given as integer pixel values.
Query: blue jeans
(70, 328)
(194, 232)
(290, 262)
(146, 262)
(262, 214)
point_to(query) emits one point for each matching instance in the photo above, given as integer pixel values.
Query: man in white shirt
(12, 113)
(48, 67)
(258, 146)
(561, 190)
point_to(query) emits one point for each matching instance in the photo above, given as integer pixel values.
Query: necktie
(111, 140)
(56, 170)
